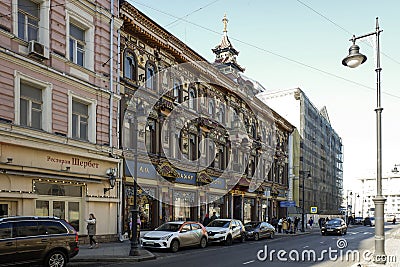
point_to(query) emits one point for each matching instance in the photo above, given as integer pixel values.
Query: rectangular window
(42, 208)
(76, 45)
(80, 118)
(30, 106)
(28, 20)
(151, 137)
(56, 190)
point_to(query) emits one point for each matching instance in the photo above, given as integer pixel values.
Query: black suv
(45, 240)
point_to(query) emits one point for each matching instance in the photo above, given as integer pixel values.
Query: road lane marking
(244, 263)
(306, 247)
(322, 242)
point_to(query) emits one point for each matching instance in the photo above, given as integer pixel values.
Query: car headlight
(166, 237)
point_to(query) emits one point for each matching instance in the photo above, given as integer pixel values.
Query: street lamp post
(347, 206)
(302, 200)
(134, 251)
(354, 59)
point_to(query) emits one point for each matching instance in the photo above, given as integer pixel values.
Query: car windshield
(334, 222)
(169, 227)
(251, 225)
(216, 223)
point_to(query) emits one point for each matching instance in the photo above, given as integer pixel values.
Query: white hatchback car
(226, 230)
(174, 235)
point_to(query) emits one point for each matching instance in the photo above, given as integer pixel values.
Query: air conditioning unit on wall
(38, 50)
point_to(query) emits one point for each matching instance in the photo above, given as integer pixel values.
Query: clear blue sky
(297, 30)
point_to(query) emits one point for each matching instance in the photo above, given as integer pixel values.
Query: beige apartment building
(59, 111)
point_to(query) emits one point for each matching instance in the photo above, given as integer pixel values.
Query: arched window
(177, 85)
(150, 76)
(211, 108)
(192, 99)
(130, 65)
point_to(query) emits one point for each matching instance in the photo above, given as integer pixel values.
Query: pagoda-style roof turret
(226, 54)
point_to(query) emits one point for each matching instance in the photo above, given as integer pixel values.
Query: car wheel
(203, 242)
(323, 233)
(56, 259)
(242, 238)
(256, 237)
(228, 240)
(272, 235)
(174, 246)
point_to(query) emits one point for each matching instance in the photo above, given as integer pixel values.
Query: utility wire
(268, 51)
(188, 14)
(342, 28)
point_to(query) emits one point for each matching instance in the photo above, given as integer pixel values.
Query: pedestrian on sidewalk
(206, 220)
(214, 216)
(296, 223)
(285, 225)
(310, 222)
(91, 228)
(394, 220)
(280, 225)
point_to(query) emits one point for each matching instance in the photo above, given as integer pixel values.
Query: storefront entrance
(59, 200)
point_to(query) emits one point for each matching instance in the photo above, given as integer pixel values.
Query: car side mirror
(233, 227)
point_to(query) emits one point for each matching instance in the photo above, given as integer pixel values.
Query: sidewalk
(111, 252)
(392, 242)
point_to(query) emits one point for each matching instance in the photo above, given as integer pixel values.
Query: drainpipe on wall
(120, 224)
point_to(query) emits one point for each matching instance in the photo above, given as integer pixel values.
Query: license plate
(330, 230)
(210, 237)
(149, 243)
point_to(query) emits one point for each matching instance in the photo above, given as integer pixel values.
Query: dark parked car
(334, 226)
(369, 221)
(44, 240)
(257, 230)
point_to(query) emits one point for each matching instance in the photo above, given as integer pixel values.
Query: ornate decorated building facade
(203, 142)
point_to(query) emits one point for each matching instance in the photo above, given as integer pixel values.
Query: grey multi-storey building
(318, 155)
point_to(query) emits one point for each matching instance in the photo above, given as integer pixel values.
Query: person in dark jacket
(214, 216)
(206, 220)
(91, 228)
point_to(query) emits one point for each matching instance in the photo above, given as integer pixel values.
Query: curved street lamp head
(355, 58)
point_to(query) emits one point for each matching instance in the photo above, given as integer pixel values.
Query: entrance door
(237, 207)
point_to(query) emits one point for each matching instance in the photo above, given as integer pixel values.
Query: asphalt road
(304, 250)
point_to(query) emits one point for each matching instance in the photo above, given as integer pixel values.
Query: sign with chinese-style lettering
(145, 170)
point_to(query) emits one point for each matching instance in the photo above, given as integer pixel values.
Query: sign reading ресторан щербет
(74, 161)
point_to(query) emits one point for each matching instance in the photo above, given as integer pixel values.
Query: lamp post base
(379, 254)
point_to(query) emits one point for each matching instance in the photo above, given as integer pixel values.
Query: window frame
(134, 66)
(44, 21)
(46, 87)
(92, 107)
(84, 21)
(154, 82)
